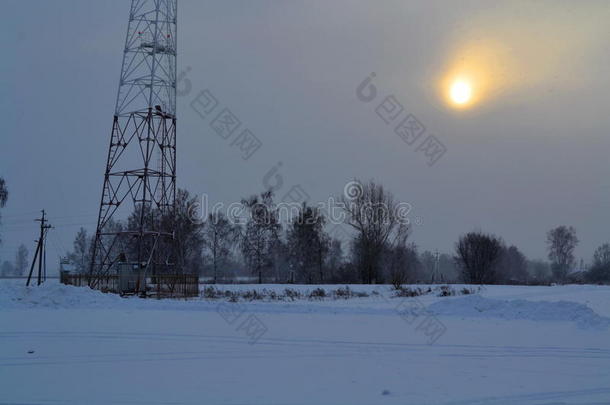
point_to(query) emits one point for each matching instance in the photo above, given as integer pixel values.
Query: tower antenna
(140, 175)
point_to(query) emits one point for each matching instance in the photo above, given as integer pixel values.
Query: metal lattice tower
(140, 176)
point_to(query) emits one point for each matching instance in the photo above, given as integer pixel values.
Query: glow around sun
(463, 90)
(460, 92)
(475, 74)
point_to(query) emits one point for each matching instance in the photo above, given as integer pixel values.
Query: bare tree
(400, 259)
(334, 259)
(188, 234)
(539, 271)
(429, 265)
(21, 260)
(600, 269)
(308, 244)
(477, 256)
(7, 269)
(447, 269)
(512, 268)
(403, 264)
(260, 234)
(280, 267)
(375, 215)
(561, 243)
(80, 256)
(220, 234)
(3, 195)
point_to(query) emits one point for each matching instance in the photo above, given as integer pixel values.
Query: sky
(528, 154)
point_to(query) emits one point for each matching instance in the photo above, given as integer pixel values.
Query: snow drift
(478, 306)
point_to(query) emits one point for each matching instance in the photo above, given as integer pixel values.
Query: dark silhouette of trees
(512, 268)
(373, 212)
(335, 259)
(220, 235)
(308, 245)
(21, 260)
(477, 256)
(561, 243)
(600, 269)
(539, 271)
(261, 234)
(188, 234)
(402, 263)
(187, 238)
(80, 257)
(3, 196)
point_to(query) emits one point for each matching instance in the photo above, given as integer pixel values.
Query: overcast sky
(529, 154)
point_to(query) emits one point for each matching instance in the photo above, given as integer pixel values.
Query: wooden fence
(157, 286)
(173, 285)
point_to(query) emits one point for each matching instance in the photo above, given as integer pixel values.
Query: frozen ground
(504, 345)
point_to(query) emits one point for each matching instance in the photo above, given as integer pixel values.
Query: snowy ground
(504, 345)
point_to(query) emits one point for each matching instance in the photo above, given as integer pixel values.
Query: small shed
(131, 278)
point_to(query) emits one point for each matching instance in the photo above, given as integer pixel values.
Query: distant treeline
(375, 247)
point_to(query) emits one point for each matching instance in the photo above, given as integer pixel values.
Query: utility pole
(40, 254)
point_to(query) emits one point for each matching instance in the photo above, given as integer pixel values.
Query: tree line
(18, 267)
(264, 249)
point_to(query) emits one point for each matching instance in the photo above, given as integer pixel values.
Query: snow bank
(53, 295)
(478, 306)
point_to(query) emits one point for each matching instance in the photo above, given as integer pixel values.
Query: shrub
(292, 293)
(446, 291)
(342, 292)
(318, 293)
(210, 292)
(408, 292)
(252, 295)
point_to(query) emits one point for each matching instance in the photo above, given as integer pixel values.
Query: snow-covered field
(502, 345)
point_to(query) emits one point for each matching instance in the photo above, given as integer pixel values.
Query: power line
(16, 227)
(57, 241)
(29, 213)
(14, 221)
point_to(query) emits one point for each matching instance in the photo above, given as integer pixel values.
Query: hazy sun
(460, 92)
